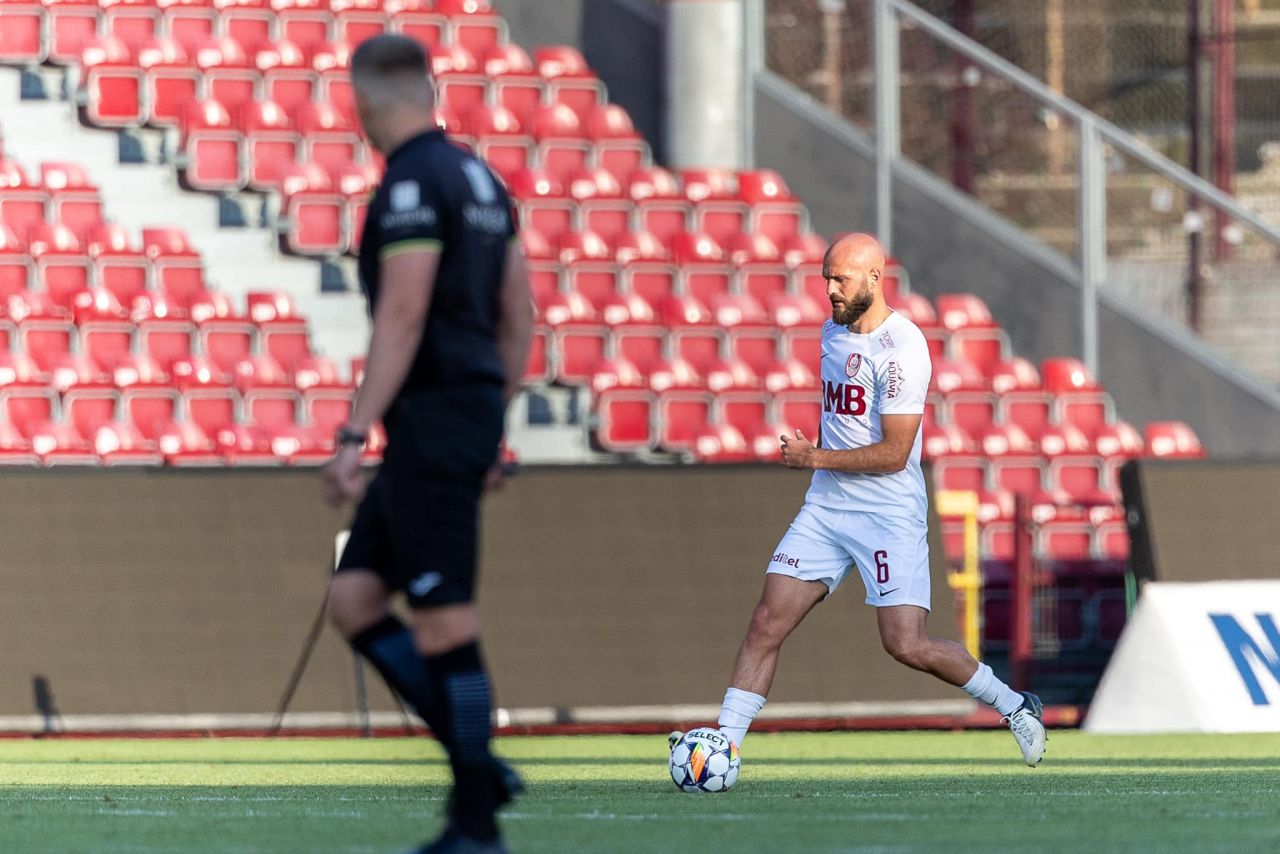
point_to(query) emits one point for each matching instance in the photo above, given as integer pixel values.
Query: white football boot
(1027, 729)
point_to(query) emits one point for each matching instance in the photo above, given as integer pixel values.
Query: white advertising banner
(1195, 658)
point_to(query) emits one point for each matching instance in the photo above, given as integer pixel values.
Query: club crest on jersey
(851, 366)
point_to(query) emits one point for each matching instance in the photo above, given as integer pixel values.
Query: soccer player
(865, 509)
(451, 310)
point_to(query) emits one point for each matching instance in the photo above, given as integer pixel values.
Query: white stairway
(236, 260)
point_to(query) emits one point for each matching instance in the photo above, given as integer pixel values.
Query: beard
(846, 313)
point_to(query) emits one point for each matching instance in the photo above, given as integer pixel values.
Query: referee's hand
(343, 477)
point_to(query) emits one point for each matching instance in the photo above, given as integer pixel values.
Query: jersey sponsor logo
(424, 217)
(851, 366)
(893, 379)
(404, 196)
(844, 398)
(491, 219)
(886, 341)
(786, 560)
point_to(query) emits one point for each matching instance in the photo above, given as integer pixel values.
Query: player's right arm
(515, 318)
(889, 455)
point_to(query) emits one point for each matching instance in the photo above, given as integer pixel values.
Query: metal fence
(1134, 221)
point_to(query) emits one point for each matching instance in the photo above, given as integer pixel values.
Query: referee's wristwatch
(348, 436)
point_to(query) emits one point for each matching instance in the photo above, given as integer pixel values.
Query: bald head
(861, 249)
(853, 268)
(395, 95)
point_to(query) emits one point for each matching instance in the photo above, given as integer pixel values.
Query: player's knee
(908, 651)
(766, 628)
(351, 614)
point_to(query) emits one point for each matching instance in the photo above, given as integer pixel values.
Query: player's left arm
(404, 299)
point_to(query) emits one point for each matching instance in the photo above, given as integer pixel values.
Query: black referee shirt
(435, 195)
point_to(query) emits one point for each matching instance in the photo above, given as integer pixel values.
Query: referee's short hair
(391, 68)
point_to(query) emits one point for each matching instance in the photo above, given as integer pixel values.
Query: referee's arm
(515, 319)
(404, 297)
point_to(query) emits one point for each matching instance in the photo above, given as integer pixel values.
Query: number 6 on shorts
(882, 566)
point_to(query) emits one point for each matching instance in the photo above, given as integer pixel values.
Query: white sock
(986, 687)
(738, 711)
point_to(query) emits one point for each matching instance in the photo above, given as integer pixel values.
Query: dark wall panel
(189, 592)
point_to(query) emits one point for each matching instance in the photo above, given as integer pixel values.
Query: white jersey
(864, 377)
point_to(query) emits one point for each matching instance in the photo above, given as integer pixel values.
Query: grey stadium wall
(168, 592)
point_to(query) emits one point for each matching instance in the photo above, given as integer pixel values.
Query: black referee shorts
(417, 526)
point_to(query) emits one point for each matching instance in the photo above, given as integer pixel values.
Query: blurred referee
(446, 285)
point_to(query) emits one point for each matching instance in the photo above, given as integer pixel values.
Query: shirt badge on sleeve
(851, 366)
(405, 196)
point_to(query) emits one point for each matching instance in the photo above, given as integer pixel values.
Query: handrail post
(1092, 208)
(888, 143)
(753, 55)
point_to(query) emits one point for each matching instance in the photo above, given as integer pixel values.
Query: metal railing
(1134, 223)
(1223, 241)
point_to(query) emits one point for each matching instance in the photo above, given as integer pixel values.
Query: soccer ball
(705, 760)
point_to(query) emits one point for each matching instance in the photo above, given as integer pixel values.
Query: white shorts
(891, 554)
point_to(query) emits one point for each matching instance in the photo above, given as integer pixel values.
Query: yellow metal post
(969, 579)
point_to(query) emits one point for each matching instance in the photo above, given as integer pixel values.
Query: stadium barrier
(1195, 658)
(174, 598)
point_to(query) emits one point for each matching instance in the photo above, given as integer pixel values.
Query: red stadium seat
(211, 148)
(961, 311)
(165, 341)
(286, 341)
(316, 372)
(1013, 374)
(973, 411)
(59, 443)
(315, 214)
(73, 198)
(1030, 410)
(60, 261)
(359, 22)
(176, 267)
(682, 417)
(1120, 439)
(229, 75)
(1019, 473)
(1078, 475)
(212, 408)
(1111, 541)
(111, 84)
(21, 26)
(189, 22)
(271, 408)
(90, 408)
(172, 81)
(538, 367)
(227, 342)
(581, 347)
(122, 443)
(71, 24)
(134, 22)
(304, 22)
(960, 472)
(981, 347)
(624, 420)
(270, 143)
(326, 409)
(500, 139)
(329, 138)
(46, 341)
(107, 343)
(16, 269)
(248, 22)
(427, 27)
(1173, 439)
(287, 77)
(1064, 541)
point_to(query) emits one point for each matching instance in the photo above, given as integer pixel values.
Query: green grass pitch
(798, 792)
